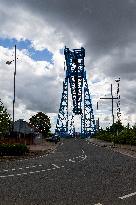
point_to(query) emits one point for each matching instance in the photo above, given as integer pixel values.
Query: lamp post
(8, 63)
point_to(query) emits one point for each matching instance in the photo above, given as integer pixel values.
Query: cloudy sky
(41, 29)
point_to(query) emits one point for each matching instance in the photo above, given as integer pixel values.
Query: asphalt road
(77, 173)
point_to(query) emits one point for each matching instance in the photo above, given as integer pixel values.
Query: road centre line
(70, 160)
(25, 173)
(127, 196)
(56, 166)
(34, 166)
(20, 168)
(38, 171)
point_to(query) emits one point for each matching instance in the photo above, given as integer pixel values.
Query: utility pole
(112, 99)
(118, 103)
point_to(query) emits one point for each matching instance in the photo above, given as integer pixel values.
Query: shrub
(103, 135)
(13, 150)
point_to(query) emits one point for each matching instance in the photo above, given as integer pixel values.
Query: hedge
(13, 149)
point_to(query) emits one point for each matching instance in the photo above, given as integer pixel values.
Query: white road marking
(70, 160)
(98, 204)
(55, 166)
(37, 171)
(31, 172)
(11, 175)
(126, 196)
(24, 173)
(83, 151)
(20, 168)
(83, 158)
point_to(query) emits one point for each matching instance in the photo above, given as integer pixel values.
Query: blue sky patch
(36, 55)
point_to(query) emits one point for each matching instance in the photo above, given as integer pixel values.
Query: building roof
(24, 127)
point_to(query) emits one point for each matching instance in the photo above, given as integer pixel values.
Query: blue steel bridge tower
(81, 100)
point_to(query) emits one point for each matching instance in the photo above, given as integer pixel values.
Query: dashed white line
(70, 160)
(37, 171)
(31, 172)
(24, 173)
(128, 195)
(11, 175)
(40, 165)
(56, 166)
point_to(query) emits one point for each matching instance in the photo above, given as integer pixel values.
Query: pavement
(125, 149)
(41, 148)
(77, 172)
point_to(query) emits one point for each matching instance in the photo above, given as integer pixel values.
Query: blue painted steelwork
(76, 76)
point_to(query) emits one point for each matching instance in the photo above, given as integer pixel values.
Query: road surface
(76, 173)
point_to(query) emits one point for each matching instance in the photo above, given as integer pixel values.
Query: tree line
(40, 121)
(118, 134)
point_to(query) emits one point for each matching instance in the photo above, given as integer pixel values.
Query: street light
(8, 63)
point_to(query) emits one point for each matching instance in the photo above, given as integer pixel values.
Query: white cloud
(39, 84)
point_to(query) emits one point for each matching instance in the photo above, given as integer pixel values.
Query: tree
(5, 120)
(42, 122)
(116, 127)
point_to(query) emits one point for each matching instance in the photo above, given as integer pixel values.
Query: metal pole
(14, 92)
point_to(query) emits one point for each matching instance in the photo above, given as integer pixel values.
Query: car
(55, 138)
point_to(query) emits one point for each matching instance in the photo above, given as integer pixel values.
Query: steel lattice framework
(81, 100)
